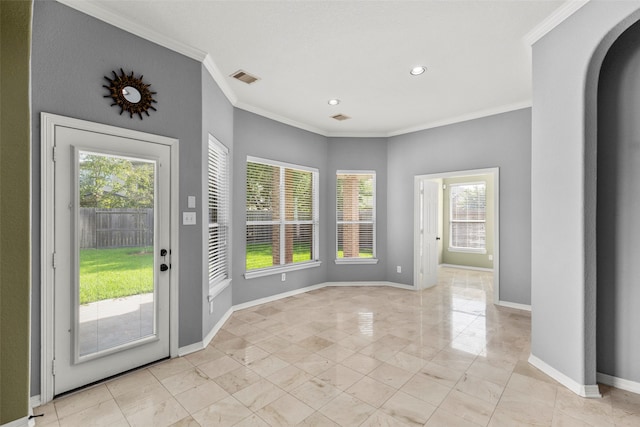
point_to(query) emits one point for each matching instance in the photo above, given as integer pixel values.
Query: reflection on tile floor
(354, 356)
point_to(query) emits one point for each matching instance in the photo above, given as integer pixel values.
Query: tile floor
(354, 356)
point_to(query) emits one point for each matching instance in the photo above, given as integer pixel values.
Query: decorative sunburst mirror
(130, 93)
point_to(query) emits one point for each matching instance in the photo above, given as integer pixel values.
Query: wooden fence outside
(115, 228)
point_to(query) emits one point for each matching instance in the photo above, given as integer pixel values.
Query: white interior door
(428, 234)
(111, 228)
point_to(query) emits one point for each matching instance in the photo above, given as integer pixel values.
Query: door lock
(163, 254)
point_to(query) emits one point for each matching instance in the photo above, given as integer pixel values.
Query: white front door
(427, 225)
(111, 258)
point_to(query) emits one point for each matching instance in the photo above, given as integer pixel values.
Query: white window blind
(355, 215)
(218, 200)
(282, 214)
(468, 215)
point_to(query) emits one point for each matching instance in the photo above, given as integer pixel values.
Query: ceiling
(477, 55)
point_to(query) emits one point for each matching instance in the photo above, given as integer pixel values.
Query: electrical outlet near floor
(490, 257)
(284, 277)
(398, 269)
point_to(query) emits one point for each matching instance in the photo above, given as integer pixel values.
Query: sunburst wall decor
(130, 93)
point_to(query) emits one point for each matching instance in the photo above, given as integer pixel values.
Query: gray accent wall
(258, 136)
(566, 65)
(618, 210)
(502, 141)
(71, 52)
(357, 154)
(217, 120)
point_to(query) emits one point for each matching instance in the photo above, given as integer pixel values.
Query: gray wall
(618, 210)
(502, 141)
(261, 137)
(71, 54)
(357, 154)
(217, 120)
(566, 64)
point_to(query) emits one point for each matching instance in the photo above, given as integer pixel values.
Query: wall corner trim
(553, 20)
(584, 390)
(621, 383)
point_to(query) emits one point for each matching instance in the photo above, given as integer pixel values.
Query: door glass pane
(115, 237)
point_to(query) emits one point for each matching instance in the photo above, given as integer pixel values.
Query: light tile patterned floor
(354, 356)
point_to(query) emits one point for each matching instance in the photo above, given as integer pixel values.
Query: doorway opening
(456, 223)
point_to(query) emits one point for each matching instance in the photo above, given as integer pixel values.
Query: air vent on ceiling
(245, 77)
(340, 117)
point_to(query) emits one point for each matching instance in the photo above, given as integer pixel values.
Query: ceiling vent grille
(340, 117)
(245, 77)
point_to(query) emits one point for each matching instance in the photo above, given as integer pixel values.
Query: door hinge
(54, 153)
(53, 367)
(53, 260)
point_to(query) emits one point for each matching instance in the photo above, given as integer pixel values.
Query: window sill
(217, 289)
(356, 261)
(468, 250)
(281, 269)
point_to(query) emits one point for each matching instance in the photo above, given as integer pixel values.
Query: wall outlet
(188, 218)
(398, 269)
(284, 276)
(490, 257)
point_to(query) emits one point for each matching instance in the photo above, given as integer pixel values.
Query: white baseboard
(380, 283)
(466, 267)
(620, 383)
(216, 328)
(21, 422)
(35, 401)
(201, 345)
(584, 390)
(277, 297)
(515, 305)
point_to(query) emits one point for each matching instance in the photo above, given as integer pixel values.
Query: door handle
(164, 267)
(437, 238)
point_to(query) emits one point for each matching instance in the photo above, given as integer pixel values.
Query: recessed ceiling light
(334, 102)
(416, 71)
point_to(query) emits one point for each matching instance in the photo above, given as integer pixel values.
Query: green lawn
(363, 253)
(114, 273)
(259, 255)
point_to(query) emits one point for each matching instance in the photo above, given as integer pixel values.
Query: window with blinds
(355, 216)
(467, 216)
(218, 202)
(282, 214)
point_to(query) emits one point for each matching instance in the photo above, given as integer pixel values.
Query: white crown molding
(463, 118)
(553, 20)
(217, 75)
(278, 118)
(98, 12)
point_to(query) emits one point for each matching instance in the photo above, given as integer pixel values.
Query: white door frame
(496, 229)
(48, 123)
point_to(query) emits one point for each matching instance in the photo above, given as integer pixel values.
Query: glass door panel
(115, 296)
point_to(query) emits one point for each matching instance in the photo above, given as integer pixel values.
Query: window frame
(217, 285)
(282, 222)
(373, 222)
(462, 249)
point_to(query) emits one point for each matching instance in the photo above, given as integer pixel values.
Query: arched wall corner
(590, 188)
(566, 66)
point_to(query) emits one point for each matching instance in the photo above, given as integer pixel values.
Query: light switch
(188, 218)
(191, 202)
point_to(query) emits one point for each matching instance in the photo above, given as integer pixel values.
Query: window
(218, 172)
(356, 217)
(282, 217)
(467, 217)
